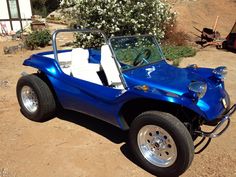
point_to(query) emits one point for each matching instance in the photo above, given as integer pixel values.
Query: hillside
(202, 13)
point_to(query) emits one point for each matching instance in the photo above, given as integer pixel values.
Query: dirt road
(76, 145)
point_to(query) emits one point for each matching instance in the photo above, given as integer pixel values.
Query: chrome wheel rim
(157, 146)
(29, 99)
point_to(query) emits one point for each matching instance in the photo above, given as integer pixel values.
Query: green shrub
(39, 38)
(175, 53)
(44, 7)
(119, 17)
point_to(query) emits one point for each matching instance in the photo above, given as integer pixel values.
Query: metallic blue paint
(170, 79)
(165, 83)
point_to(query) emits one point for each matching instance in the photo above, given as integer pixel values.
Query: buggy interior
(90, 65)
(99, 66)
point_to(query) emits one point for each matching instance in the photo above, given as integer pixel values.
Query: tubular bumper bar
(225, 122)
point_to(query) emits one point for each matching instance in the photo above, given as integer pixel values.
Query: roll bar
(54, 44)
(55, 33)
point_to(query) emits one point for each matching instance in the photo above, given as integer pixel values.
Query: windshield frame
(130, 36)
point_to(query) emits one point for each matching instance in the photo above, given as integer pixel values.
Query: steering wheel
(142, 57)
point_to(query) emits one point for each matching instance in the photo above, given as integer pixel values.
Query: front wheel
(161, 143)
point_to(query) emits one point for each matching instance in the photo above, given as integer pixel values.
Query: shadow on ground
(107, 130)
(100, 127)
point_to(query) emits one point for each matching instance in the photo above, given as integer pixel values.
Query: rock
(4, 84)
(56, 15)
(13, 49)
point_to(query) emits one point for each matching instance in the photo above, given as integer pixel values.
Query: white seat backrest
(110, 68)
(82, 69)
(79, 57)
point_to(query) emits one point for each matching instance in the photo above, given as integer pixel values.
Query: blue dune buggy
(128, 83)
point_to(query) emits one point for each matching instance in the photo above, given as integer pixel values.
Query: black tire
(46, 105)
(179, 134)
(224, 45)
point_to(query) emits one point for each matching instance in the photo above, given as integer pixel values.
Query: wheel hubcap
(157, 146)
(29, 99)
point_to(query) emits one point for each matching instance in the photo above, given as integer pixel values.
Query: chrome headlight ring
(198, 88)
(220, 72)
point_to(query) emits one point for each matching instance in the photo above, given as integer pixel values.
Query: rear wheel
(161, 143)
(35, 98)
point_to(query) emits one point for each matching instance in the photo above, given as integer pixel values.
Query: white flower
(114, 15)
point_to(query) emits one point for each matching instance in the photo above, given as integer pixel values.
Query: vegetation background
(118, 17)
(44, 7)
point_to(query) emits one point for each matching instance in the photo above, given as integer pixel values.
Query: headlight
(220, 72)
(198, 88)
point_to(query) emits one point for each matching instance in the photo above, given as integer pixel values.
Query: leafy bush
(119, 17)
(37, 39)
(175, 53)
(44, 7)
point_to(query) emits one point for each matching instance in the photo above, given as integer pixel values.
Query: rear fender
(46, 65)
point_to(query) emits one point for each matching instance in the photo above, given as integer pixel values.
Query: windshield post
(161, 52)
(117, 65)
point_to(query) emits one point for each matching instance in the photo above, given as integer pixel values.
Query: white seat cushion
(82, 69)
(66, 71)
(88, 73)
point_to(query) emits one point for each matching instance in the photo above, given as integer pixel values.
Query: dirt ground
(78, 145)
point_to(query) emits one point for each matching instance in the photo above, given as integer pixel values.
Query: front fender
(169, 97)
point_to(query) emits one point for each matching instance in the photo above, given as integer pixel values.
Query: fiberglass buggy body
(129, 84)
